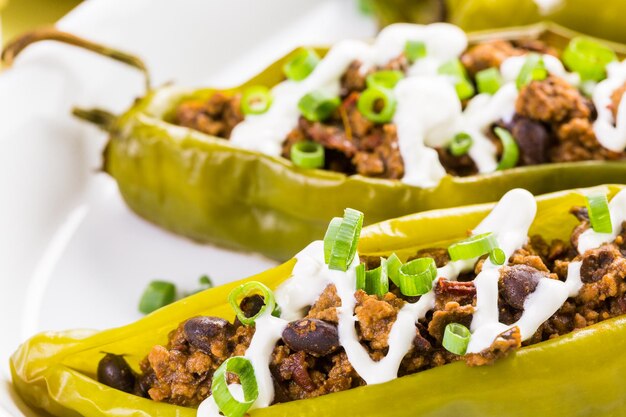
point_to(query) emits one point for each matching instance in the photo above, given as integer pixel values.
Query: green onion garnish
(533, 69)
(488, 81)
(317, 106)
(229, 405)
(497, 256)
(385, 79)
(456, 337)
(393, 269)
(156, 295)
(377, 104)
(455, 69)
(473, 247)
(375, 281)
(414, 50)
(588, 58)
(346, 240)
(307, 154)
(461, 144)
(416, 277)
(246, 290)
(330, 236)
(256, 100)
(510, 150)
(599, 213)
(301, 65)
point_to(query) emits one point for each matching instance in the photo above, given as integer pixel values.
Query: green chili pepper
(603, 19)
(206, 189)
(55, 371)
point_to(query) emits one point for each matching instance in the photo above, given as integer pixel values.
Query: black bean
(252, 305)
(202, 331)
(113, 370)
(315, 337)
(533, 139)
(517, 282)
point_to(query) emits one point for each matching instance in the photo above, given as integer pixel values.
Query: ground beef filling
(552, 121)
(308, 361)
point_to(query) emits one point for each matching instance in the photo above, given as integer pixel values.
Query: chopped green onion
(301, 65)
(393, 269)
(510, 150)
(229, 405)
(497, 256)
(599, 213)
(454, 68)
(533, 69)
(588, 58)
(416, 276)
(488, 81)
(330, 236)
(246, 290)
(414, 50)
(473, 247)
(456, 337)
(377, 104)
(307, 154)
(346, 240)
(366, 7)
(317, 106)
(156, 295)
(256, 100)
(375, 281)
(461, 144)
(385, 79)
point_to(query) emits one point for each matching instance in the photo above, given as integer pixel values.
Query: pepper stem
(101, 118)
(17, 45)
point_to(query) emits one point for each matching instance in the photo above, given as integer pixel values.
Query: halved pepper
(204, 188)
(579, 374)
(604, 21)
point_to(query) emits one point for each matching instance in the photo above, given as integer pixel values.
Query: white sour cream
(590, 239)
(610, 131)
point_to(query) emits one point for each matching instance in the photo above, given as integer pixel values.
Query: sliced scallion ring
(588, 58)
(376, 281)
(461, 144)
(377, 104)
(156, 295)
(488, 81)
(246, 290)
(317, 106)
(455, 69)
(330, 236)
(414, 50)
(346, 240)
(393, 269)
(497, 256)
(533, 69)
(473, 247)
(416, 277)
(256, 100)
(456, 338)
(361, 277)
(599, 213)
(229, 405)
(510, 150)
(385, 79)
(307, 154)
(301, 65)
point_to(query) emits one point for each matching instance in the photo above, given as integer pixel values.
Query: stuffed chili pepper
(416, 120)
(523, 315)
(475, 15)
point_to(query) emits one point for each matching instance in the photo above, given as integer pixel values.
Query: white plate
(71, 254)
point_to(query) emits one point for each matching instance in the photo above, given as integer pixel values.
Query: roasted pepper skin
(204, 188)
(579, 374)
(472, 15)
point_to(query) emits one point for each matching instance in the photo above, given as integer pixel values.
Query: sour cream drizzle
(610, 131)
(428, 112)
(509, 221)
